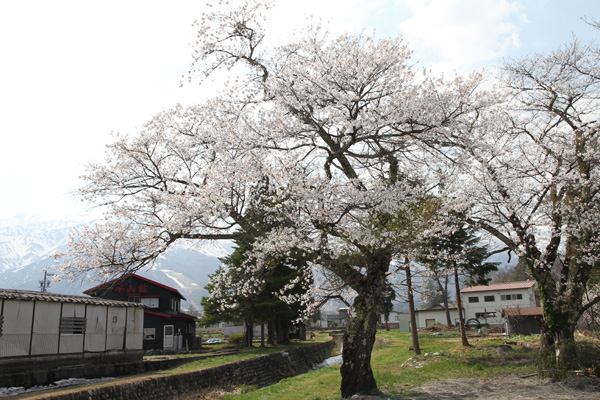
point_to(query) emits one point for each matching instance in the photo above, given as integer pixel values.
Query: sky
(73, 73)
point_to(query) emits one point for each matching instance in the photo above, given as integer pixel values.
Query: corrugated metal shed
(11, 294)
(499, 286)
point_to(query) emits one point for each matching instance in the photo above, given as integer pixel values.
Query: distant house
(38, 328)
(484, 305)
(436, 314)
(340, 319)
(165, 326)
(396, 320)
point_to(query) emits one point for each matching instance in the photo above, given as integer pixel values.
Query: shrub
(236, 339)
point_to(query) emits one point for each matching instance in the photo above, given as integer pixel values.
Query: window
(175, 304)
(149, 333)
(488, 314)
(489, 298)
(133, 299)
(150, 302)
(429, 321)
(397, 318)
(506, 297)
(474, 299)
(115, 319)
(72, 326)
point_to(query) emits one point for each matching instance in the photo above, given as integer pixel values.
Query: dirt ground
(510, 387)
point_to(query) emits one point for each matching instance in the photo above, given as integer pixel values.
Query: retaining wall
(260, 371)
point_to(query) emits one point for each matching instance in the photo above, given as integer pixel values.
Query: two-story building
(165, 326)
(485, 304)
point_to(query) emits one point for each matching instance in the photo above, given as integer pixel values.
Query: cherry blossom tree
(342, 128)
(531, 176)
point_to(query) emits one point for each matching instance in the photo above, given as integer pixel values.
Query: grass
(397, 370)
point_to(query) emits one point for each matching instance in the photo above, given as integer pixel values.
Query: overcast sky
(72, 72)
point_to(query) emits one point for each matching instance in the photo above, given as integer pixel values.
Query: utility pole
(44, 284)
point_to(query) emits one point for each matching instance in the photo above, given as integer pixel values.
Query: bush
(236, 339)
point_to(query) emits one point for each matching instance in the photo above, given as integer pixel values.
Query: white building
(437, 314)
(485, 303)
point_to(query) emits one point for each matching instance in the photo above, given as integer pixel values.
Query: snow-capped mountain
(27, 245)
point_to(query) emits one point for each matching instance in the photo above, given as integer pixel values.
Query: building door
(168, 338)
(429, 321)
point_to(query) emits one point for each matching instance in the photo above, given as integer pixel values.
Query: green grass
(396, 376)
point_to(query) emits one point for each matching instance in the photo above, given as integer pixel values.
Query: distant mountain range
(27, 245)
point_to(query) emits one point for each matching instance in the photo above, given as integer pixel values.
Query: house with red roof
(165, 326)
(488, 305)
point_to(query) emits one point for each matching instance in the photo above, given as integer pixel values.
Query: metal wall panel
(116, 328)
(16, 331)
(72, 343)
(95, 334)
(45, 328)
(135, 328)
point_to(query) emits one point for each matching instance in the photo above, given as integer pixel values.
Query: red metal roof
(138, 277)
(499, 286)
(164, 315)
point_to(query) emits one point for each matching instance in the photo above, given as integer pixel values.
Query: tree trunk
(445, 300)
(559, 332)
(359, 338)
(461, 318)
(272, 340)
(411, 308)
(262, 335)
(248, 334)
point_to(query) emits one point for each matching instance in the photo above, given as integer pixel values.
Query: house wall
(495, 306)
(438, 315)
(397, 320)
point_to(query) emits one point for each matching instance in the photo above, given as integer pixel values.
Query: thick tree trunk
(559, 331)
(461, 318)
(411, 308)
(359, 338)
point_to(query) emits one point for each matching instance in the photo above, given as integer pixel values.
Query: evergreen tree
(459, 253)
(263, 306)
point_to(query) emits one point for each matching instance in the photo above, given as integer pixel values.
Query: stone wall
(260, 371)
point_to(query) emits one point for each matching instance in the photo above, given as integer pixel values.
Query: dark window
(133, 299)
(149, 333)
(505, 297)
(72, 326)
(489, 298)
(474, 299)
